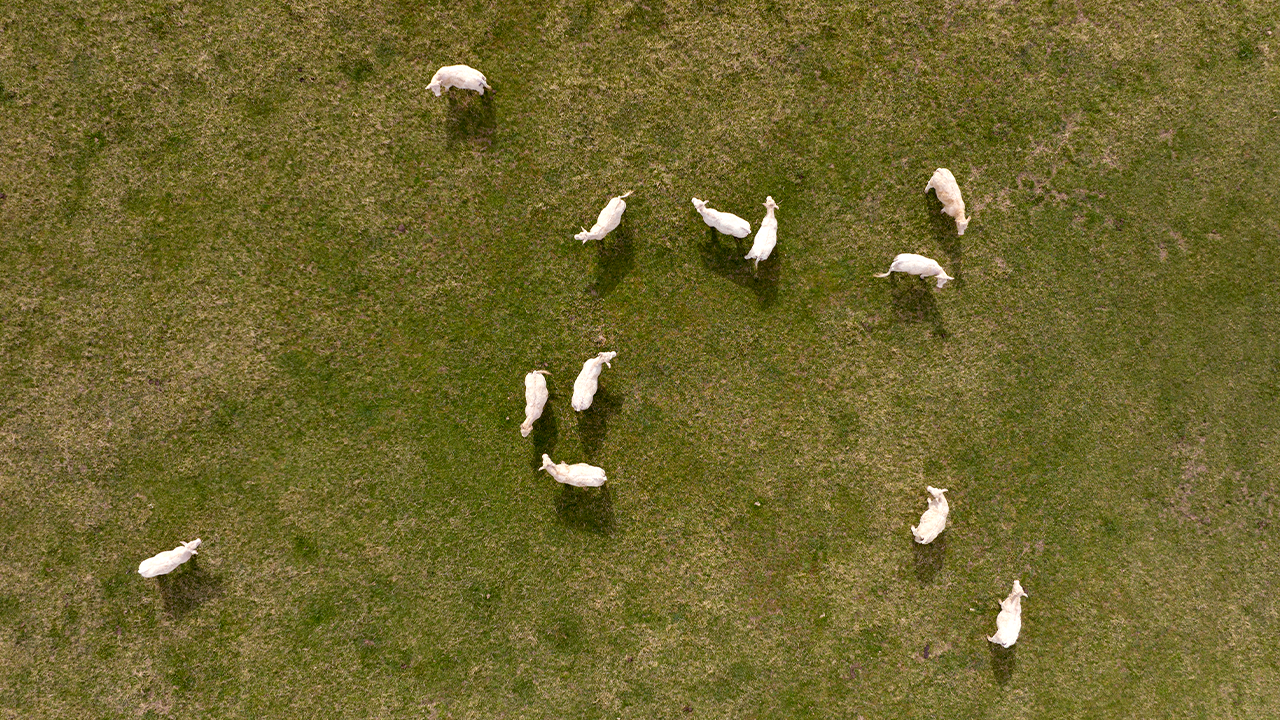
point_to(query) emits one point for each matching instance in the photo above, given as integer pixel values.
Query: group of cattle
(934, 519)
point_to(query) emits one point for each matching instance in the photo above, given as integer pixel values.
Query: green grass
(261, 287)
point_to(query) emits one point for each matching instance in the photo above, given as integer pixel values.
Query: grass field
(262, 288)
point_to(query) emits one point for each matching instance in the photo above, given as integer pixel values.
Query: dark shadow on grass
(913, 302)
(615, 257)
(725, 255)
(593, 423)
(1003, 660)
(928, 558)
(546, 431)
(589, 509)
(943, 228)
(187, 588)
(471, 116)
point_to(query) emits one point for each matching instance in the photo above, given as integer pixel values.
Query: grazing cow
(913, 264)
(167, 561)
(727, 223)
(944, 183)
(459, 76)
(767, 235)
(609, 218)
(934, 519)
(535, 398)
(584, 388)
(577, 475)
(1009, 621)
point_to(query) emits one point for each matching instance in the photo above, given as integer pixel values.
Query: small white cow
(459, 76)
(608, 221)
(535, 398)
(577, 475)
(913, 264)
(727, 223)
(767, 235)
(1009, 621)
(949, 193)
(167, 561)
(934, 519)
(584, 388)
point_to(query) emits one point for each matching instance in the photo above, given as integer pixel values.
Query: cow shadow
(1003, 660)
(188, 588)
(928, 558)
(913, 301)
(587, 509)
(943, 229)
(470, 117)
(615, 258)
(725, 255)
(593, 423)
(546, 432)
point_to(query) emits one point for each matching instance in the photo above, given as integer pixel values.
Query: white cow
(767, 235)
(167, 561)
(934, 519)
(913, 264)
(535, 398)
(608, 221)
(949, 193)
(584, 388)
(459, 76)
(578, 475)
(1009, 621)
(727, 223)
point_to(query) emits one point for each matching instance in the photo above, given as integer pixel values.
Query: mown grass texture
(262, 288)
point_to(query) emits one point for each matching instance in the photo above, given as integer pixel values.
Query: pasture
(260, 287)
